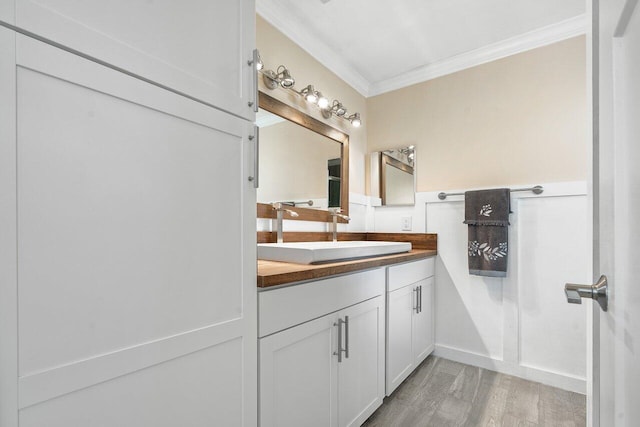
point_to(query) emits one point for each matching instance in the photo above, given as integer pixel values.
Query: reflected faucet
(335, 213)
(280, 210)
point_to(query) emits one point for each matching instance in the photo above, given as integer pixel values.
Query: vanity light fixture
(355, 120)
(322, 101)
(259, 63)
(310, 94)
(336, 108)
(282, 77)
(409, 153)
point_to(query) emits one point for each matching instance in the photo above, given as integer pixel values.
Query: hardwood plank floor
(443, 393)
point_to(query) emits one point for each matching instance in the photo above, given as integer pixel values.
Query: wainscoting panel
(520, 324)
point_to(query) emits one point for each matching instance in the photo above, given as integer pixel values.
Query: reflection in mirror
(297, 166)
(332, 160)
(397, 181)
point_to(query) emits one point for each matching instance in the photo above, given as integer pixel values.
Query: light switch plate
(406, 223)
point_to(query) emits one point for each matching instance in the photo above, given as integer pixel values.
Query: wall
(518, 121)
(276, 49)
(521, 324)
(515, 120)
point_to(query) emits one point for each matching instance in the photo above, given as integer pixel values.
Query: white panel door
(197, 47)
(298, 376)
(7, 11)
(422, 328)
(136, 251)
(401, 304)
(8, 233)
(361, 371)
(616, 184)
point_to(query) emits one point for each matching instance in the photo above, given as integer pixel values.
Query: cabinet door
(361, 374)
(7, 11)
(423, 327)
(199, 47)
(400, 310)
(8, 231)
(298, 376)
(135, 286)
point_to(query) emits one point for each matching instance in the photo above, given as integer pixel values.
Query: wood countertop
(273, 273)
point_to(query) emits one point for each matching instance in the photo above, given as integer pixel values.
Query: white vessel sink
(316, 252)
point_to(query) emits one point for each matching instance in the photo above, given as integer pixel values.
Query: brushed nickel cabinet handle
(340, 350)
(253, 63)
(256, 157)
(346, 337)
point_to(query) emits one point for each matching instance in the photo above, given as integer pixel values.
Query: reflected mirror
(397, 176)
(301, 159)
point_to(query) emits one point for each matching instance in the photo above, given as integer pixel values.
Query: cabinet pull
(340, 350)
(256, 157)
(420, 299)
(346, 336)
(254, 72)
(415, 306)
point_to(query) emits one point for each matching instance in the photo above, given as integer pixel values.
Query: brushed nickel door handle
(598, 292)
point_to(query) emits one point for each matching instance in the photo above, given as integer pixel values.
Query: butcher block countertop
(274, 273)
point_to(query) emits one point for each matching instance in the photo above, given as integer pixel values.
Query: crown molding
(537, 38)
(273, 13)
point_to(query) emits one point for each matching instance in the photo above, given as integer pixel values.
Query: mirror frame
(386, 159)
(294, 115)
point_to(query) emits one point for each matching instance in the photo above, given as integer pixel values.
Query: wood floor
(442, 393)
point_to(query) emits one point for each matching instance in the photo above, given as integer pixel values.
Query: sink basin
(317, 252)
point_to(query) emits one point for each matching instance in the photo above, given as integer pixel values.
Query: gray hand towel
(487, 216)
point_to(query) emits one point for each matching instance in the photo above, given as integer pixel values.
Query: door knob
(598, 292)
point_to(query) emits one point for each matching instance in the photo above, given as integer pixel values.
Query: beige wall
(518, 120)
(276, 49)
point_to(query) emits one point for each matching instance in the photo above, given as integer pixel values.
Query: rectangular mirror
(303, 161)
(396, 170)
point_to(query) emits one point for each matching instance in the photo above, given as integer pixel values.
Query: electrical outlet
(406, 223)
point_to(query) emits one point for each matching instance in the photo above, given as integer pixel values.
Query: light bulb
(322, 101)
(311, 97)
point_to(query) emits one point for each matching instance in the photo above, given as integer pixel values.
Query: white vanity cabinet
(322, 351)
(410, 319)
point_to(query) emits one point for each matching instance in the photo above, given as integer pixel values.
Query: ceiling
(377, 46)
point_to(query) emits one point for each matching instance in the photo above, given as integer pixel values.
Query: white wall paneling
(178, 45)
(520, 324)
(136, 249)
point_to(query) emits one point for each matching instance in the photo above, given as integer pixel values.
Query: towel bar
(536, 190)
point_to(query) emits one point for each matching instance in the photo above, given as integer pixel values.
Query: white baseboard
(554, 379)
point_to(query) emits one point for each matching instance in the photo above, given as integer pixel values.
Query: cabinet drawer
(411, 272)
(286, 307)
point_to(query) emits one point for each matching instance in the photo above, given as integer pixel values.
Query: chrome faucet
(335, 213)
(280, 210)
